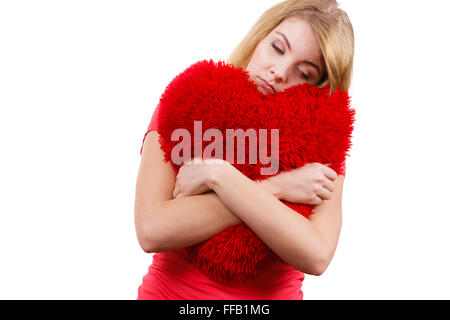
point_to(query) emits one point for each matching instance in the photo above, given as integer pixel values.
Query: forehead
(301, 37)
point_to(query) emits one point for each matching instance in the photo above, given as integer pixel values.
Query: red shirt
(171, 277)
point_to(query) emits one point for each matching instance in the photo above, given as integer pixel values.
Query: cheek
(260, 60)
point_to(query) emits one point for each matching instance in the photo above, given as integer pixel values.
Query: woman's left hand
(194, 176)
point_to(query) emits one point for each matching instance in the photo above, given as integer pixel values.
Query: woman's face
(287, 56)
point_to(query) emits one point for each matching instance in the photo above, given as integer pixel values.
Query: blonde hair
(333, 29)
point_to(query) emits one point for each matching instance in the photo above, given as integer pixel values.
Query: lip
(266, 85)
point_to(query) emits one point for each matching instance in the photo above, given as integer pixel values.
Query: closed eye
(304, 75)
(276, 48)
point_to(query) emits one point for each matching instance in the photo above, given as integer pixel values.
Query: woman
(295, 41)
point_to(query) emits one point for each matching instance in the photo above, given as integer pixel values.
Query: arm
(163, 223)
(307, 245)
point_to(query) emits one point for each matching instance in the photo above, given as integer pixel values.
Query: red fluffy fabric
(313, 127)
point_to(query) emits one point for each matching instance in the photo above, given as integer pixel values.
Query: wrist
(271, 185)
(216, 174)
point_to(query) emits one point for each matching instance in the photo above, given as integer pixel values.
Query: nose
(279, 76)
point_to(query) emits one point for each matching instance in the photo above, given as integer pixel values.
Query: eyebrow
(290, 49)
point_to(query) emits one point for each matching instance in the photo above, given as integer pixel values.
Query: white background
(78, 84)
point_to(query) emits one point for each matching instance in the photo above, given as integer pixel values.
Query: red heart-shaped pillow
(313, 126)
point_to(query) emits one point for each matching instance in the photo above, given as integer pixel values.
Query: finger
(330, 173)
(317, 201)
(175, 192)
(324, 194)
(328, 184)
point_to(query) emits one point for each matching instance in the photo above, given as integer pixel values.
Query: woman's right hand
(310, 184)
